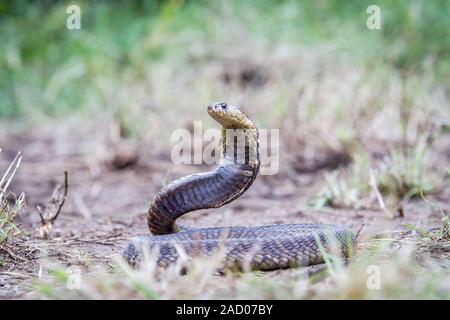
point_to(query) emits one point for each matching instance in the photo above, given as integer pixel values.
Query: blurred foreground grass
(384, 270)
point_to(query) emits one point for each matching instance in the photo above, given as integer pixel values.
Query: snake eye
(223, 106)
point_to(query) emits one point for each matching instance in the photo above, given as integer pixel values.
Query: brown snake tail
(262, 247)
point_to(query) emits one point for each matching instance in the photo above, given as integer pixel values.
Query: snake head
(229, 116)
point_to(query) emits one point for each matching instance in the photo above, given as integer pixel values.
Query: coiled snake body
(262, 247)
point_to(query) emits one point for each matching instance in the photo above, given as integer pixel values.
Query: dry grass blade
(9, 175)
(8, 212)
(445, 230)
(373, 184)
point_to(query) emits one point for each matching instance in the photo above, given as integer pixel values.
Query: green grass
(9, 211)
(7, 215)
(399, 176)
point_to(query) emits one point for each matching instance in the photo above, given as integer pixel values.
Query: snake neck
(236, 172)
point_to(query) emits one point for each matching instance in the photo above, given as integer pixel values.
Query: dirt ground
(106, 206)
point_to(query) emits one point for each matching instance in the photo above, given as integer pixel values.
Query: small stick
(359, 230)
(50, 213)
(61, 204)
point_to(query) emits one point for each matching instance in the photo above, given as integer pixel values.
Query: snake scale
(262, 247)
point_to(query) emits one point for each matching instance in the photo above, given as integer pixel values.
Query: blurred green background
(49, 69)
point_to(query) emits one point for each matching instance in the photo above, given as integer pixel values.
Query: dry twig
(12, 254)
(359, 231)
(51, 212)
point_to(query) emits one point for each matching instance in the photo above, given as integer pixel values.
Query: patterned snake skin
(260, 248)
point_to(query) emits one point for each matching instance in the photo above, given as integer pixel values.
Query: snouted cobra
(260, 247)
